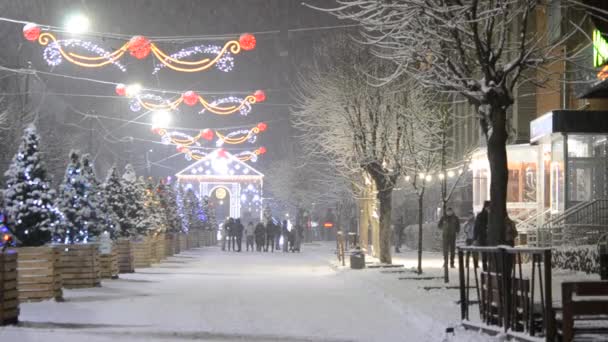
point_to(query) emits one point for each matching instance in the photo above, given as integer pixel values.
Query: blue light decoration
(53, 52)
(6, 237)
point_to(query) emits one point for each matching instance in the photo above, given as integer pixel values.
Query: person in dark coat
(450, 227)
(285, 233)
(269, 236)
(481, 233)
(249, 236)
(277, 235)
(260, 236)
(238, 233)
(298, 236)
(230, 231)
(399, 234)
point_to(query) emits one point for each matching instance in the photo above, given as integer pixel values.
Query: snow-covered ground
(208, 295)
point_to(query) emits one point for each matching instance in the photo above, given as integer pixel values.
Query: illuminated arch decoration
(242, 182)
(139, 47)
(232, 138)
(222, 106)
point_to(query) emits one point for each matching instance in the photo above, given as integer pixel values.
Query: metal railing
(513, 289)
(578, 225)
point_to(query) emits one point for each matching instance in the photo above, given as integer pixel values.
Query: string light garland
(232, 138)
(140, 48)
(194, 154)
(222, 106)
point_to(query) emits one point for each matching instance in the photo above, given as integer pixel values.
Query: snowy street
(206, 294)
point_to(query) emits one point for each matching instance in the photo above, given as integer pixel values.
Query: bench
(584, 310)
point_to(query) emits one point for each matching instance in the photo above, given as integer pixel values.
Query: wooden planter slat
(39, 276)
(125, 257)
(109, 264)
(159, 248)
(141, 253)
(9, 295)
(80, 266)
(176, 243)
(183, 242)
(169, 245)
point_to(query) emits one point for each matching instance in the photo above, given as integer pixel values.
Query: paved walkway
(205, 294)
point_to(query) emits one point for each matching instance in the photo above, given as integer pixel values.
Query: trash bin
(357, 259)
(602, 247)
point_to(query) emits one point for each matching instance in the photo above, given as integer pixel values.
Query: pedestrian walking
(225, 235)
(249, 235)
(260, 236)
(269, 237)
(399, 234)
(481, 233)
(469, 229)
(285, 233)
(450, 226)
(231, 237)
(277, 235)
(238, 234)
(299, 235)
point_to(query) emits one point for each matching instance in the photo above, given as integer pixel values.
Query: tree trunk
(385, 199)
(420, 220)
(497, 157)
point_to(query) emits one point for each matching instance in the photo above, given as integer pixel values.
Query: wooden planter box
(183, 242)
(195, 237)
(80, 266)
(9, 295)
(39, 275)
(109, 264)
(125, 257)
(160, 247)
(176, 243)
(141, 250)
(169, 245)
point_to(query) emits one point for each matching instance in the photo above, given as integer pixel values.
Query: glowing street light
(77, 23)
(133, 90)
(161, 119)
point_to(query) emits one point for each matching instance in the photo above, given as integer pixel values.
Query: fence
(507, 283)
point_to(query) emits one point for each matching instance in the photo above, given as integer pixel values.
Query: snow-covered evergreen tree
(134, 221)
(105, 217)
(207, 214)
(153, 221)
(77, 202)
(28, 198)
(168, 204)
(116, 201)
(182, 211)
(191, 208)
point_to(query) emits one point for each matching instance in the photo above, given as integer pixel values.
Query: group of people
(261, 237)
(475, 229)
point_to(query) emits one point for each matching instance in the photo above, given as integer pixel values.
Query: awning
(569, 121)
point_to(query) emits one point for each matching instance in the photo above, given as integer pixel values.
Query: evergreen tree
(116, 201)
(207, 214)
(76, 202)
(153, 220)
(168, 205)
(105, 217)
(28, 198)
(191, 209)
(182, 207)
(134, 221)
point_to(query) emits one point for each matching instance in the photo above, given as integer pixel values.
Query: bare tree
(354, 124)
(479, 49)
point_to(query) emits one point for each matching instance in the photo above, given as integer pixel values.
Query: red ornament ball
(31, 31)
(139, 47)
(121, 89)
(262, 126)
(247, 41)
(262, 150)
(207, 134)
(181, 148)
(260, 96)
(190, 98)
(156, 130)
(221, 153)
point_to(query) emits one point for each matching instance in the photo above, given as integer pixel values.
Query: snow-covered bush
(577, 258)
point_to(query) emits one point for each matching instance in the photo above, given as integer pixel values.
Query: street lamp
(161, 119)
(77, 23)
